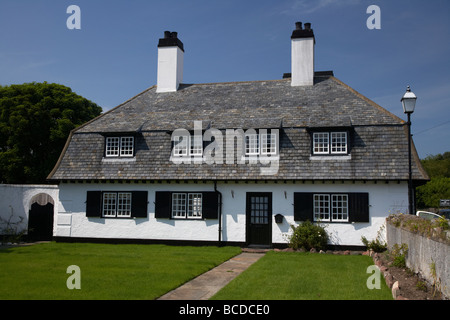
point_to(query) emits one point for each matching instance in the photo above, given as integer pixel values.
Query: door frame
(248, 226)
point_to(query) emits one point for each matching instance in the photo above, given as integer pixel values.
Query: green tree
(438, 168)
(35, 121)
(428, 195)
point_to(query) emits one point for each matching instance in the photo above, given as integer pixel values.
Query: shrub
(377, 245)
(308, 235)
(399, 253)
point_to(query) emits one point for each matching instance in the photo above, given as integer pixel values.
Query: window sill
(119, 159)
(331, 157)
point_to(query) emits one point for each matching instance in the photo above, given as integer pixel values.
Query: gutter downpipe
(220, 213)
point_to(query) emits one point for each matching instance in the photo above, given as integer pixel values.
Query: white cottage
(235, 163)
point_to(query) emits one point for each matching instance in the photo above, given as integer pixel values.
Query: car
(428, 215)
(445, 213)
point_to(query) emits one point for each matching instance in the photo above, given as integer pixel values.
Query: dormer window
(119, 147)
(330, 143)
(262, 143)
(188, 145)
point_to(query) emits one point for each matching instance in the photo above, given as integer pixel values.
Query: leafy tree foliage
(35, 121)
(438, 168)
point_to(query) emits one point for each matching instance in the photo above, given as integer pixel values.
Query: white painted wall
(170, 68)
(71, 220)
(302, 62)
(16, 199)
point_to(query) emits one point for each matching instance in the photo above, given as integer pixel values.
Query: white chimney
(302, 55)
(170, 63)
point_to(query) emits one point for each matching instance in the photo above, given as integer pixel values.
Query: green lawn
(304, 276)
(107, 271)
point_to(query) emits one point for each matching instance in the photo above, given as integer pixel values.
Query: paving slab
(207, 284)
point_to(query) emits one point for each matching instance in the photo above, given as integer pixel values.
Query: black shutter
(210, 205)
(358, 207)
(163, 203)
(94, 204)
(139, 204)
(303, 206)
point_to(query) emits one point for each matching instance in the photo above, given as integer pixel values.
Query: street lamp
(409, 103)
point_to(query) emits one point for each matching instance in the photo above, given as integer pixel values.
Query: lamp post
(409, 102)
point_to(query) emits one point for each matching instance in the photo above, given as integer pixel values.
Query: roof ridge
(233, 82)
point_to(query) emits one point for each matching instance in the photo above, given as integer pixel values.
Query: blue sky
(113, 56)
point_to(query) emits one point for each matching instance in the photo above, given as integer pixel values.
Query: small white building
(235, 163)
(28, 209)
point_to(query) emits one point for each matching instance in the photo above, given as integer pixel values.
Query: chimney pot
(174, 35)
(298, 26)
(167, 34)
(308, 26)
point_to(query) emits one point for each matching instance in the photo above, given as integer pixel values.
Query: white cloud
(308, 6)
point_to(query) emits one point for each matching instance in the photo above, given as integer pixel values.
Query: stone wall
(423, 253)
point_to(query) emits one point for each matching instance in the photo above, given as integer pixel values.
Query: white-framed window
(330, 207)
(262, 143)
(178, 205)
(268, 143)
(196, 147)
(339, 207)
(252, 144)
(180, 145)
(338, 142)
(330, 143)
(116, 204)
(186, 205)
(321, 207)
(109, 204)
(188, 145)
(194, 209)
(112, 146)
(119, 146)
(320, 142)
(126, 146)
(124, 204)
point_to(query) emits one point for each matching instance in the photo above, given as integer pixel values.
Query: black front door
(259, 218)
(40, 222)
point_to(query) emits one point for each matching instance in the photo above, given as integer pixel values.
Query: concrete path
(207, 284)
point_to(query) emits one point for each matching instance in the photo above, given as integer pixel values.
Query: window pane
(112, 147)
(194, 205)
(321, 207)
(320, 142)
(178, 205)
(338, 142)
(109, 204)
(124, 204)
(252, 144)
(196, 145)
(339, 207)
(268, 143)
(180, 147)
(126, 146)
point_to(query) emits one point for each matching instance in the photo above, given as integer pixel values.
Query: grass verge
(305, 276)
(108, 272)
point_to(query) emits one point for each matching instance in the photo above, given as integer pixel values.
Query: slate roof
(379, 149)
